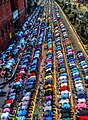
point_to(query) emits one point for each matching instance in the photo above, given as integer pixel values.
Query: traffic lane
(74, 38)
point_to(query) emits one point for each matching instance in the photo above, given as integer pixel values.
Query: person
(75, 16)
(79, 5)
(40, 108)
(35, 3)
(1, 91)
(10, 85)
(15, 112)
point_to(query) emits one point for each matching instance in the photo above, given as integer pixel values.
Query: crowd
(48, 96)
(79, 82)
(21, 97)
(63, 84)
(21, 62)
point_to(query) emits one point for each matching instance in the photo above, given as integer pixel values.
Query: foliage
(87, 47)
(69, 10)
(70, 16)
(66, 11)
(83, 39)
(69, 5)
(65, 6)
(84, 29)
(86, 14)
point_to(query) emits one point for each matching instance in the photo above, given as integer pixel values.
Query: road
(38, 95)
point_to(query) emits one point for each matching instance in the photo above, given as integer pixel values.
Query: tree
(83, 29)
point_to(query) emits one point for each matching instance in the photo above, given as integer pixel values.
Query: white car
(80, 15)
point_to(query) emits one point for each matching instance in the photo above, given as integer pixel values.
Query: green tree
(83, 29)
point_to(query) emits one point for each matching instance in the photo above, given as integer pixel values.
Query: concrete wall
(22, 11)
(5, 23)
(6, 20)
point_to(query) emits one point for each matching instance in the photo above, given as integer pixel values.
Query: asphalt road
(74, 40)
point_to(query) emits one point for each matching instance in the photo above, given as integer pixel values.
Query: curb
(74, 31)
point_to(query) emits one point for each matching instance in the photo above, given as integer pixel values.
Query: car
(80, 15)
(75, 0)
(67, 3)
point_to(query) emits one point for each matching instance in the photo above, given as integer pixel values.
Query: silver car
(80, 15)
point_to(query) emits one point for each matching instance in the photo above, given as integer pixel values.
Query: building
(31, 5)
(12, 16)
(6, 24)
(18, 8)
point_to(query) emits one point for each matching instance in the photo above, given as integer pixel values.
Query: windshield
(81, 13)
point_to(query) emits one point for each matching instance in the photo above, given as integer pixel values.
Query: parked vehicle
(80, 15)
